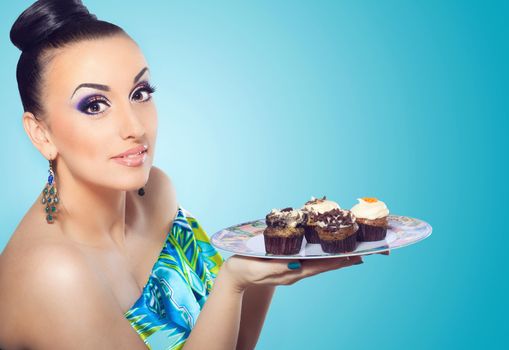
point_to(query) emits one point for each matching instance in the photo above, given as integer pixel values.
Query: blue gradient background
(276, 101)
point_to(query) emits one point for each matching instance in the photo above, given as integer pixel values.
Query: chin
(131, 182)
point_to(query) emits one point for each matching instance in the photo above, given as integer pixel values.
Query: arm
(226, 308)
(233, 315)
(217, 326)
(255, 305)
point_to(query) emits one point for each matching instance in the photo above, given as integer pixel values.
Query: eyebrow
(138, 76)
(106, 87)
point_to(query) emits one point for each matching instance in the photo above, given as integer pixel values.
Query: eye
(93, 105)
(143, 93)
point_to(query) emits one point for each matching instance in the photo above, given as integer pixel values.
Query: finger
(306, 266)
(281, 269)
(385, 252)
(284, 265)
(311, 267)
(322, 265)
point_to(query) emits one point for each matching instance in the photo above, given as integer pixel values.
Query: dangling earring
(141, 192)
(49, 196)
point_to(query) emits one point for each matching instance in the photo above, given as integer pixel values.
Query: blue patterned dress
(178, 286)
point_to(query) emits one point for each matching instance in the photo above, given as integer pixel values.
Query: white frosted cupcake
(284, 232)
(372, 215)
(313, 208)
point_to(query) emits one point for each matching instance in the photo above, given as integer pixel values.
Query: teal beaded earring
(50, 198)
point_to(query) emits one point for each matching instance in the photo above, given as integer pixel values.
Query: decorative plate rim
(403, 227)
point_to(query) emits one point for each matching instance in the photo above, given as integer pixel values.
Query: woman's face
(97, 101)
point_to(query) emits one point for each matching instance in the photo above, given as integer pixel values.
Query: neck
(91, 214)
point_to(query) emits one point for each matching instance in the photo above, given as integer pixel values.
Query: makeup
(93, 104)
(106, 87)
(97, 104)
(139, 75)
(132, 157)
(132, 160)
(91, 86)
(143, 87)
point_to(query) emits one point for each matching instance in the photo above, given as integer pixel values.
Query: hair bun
(43, 18)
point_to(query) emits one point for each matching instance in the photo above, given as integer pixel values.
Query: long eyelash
(85, 103)
(145, 86)
(151, 88)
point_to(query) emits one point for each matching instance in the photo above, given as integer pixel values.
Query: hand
(386, 252)
(245, 272)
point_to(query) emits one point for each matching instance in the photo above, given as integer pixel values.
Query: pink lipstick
(132, 157)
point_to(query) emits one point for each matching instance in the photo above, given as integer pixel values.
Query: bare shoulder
(32, 276)
(55, 295)
(160, 181)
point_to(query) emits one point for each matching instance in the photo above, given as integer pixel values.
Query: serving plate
(247, 239)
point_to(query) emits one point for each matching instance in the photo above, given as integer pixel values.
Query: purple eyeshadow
(85, 102)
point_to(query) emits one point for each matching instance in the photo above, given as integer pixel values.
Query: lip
(132, 161)
(134, 150)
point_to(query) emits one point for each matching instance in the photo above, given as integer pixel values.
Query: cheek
(78, 138)
(149, 120)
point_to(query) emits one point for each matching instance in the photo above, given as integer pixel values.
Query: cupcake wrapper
(283, 245)
(367, 233)
(347, 244)
(311, 235)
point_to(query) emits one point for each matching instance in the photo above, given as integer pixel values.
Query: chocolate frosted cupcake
(337, 231)
(372, 217)
(284, 232)
(312, 208)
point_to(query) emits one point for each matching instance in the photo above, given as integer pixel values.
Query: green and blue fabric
(178, 286)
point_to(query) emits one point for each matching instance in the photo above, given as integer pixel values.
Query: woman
(105, 258)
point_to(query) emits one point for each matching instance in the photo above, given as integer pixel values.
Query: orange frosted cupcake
(372, 217)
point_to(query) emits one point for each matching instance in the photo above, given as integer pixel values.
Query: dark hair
(46, 25)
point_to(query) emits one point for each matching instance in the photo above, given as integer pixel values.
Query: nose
(129, 123)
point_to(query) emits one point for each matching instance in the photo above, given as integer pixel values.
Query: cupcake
(337, 231)
(284, 232)
(312, 208)
(371, 216)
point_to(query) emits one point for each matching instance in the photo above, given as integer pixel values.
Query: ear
(38, 133)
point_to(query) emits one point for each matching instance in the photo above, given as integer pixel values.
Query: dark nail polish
(294, 265)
